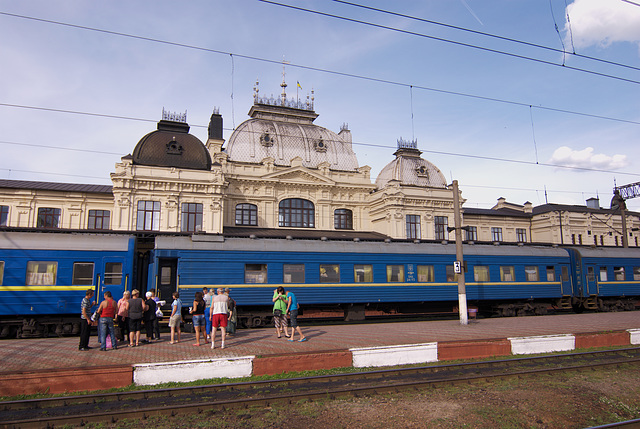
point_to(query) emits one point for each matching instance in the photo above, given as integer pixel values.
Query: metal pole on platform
(462, 293)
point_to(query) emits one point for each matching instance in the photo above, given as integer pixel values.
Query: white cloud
(585, 158)
(602, 22)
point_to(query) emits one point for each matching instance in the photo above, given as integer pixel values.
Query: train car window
(507, 274)
(565, 274)
(82, 274)
(636, 274)
(329, 273)
(293, 273)
(363, 273)
(618, 274)
(395, 273)
(480, 273)
(255, 273)
(603, 274)
(532, 274)
(113, 273)
(1, 272)
(425, 273)
(551, 274)
(591, 276)
(451, 275)
(41, 273)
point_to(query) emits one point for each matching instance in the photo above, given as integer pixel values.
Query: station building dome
(171, 145)
(283, 129)
(410, 169)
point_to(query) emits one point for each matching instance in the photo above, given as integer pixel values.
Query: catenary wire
(481, 33)
(441, 39)
(320, 70)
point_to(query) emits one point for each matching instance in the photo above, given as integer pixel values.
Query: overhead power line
(454, 42)
(494, 36)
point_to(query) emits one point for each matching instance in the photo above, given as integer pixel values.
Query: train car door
(167, 279)
(113, 279)
(592, 280)
(565, 279)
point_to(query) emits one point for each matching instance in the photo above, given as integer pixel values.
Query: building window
(616, 237)
(595, 240)
(395, 273)
(4, 215)
(579, 238)
(293, 273)
(471, 233)
(496, 234)
(551, 274)
(573, 239)
(363, 273)
(441, 223)
(480, 273)
(521, 235)
(507, 274)
(113, 273)
(99, 219)
(48, 218)
(41, 273)
(413, 227)
(255, 273)
(148, 216)
(191, 217)
(82, 274)
(343, 219)
(329, 273)
(532, 274)
(425, 274)
(297, 213)
(247, 214)
(602, 240)
(618, 274)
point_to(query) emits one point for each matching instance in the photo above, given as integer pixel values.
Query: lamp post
(459, 264)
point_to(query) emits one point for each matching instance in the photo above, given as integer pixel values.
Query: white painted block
(395, 355)
(634, 336)
(182, 371)
(542, 344)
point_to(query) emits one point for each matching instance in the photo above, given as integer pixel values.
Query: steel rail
(380, 385)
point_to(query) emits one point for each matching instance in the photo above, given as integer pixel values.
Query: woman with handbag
(123, 315)
(280, 312)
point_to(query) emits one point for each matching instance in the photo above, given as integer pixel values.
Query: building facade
(281, 175)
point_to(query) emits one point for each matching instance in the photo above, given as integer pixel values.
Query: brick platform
(56, 365)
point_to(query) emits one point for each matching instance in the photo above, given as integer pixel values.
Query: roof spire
(284, 84)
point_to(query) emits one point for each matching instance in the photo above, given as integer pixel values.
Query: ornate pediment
(299, 175)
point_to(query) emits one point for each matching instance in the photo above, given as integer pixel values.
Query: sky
(527, 100)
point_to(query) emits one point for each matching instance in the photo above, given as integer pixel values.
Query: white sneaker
(213, 346)
(222, 346)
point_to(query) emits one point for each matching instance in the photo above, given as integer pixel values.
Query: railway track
(111, 407)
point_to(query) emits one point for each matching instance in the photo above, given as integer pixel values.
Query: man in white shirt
(218, 316)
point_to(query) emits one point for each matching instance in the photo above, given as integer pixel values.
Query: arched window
(247, 214)
(343, 219)
(296, 213)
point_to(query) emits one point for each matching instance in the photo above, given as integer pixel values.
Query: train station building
(280, 175)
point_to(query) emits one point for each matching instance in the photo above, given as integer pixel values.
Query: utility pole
(459, 264)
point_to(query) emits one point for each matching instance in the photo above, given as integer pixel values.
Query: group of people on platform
(209, 312)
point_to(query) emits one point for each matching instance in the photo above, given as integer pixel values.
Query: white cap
(148, 295)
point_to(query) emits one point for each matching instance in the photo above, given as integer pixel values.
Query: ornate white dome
(410, 169)
(284, 130)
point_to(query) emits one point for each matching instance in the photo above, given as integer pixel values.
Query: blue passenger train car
(352, 276)
(45, 275)
(606, 279)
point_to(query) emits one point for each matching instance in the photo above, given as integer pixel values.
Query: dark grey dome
(172, 146)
